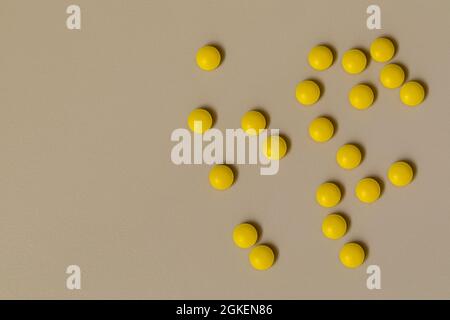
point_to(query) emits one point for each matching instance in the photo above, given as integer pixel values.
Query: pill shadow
(346, 218)
(275, 250)
(361, 148)
(333, 51)
(380, 181)
(212, 112)
(341, 188)
(321, 86)
(366, 53)
(413, 166)
(235, 172)
(365, 248)
(405, 69)
(333, 121)
(257, 227)
(221, 50)
(424, 85)
(288, 143)
(394, 42)
(265, 114)
(374, 90)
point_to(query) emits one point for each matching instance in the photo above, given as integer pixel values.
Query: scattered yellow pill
(320, 58)
(348, 156)
(334, 226)
(382, 49)
(221, 177)
(354, 61)
(392, 76)
(400, 173)
(352, 255)
(307, 92)
(412, 93)
(208, 58)
(274, 147)
(361, 96)
(368, 190)
(321, 129)
(245, 235)
(328, 195)
(253, 122)
(199, 120)
(261, 257)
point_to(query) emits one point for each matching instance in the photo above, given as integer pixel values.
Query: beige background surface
(86, 176)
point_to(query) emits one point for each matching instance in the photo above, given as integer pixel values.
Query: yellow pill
(334, 226)
(321, 129)
(221, 177)
(320, 58)
(261, 257)
(392, 76)
(208, 58)
(368, 190)
(348, 156)
(274, 147)
(412, 93)
(245, 235)
(400, 173)
(253, 122)
(354, 61)
(352, 255)
(361, 96)
(382, 49)
(328, 195)
(200, 120)
(307, 92)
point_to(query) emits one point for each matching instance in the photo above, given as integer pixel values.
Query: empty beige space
(86, 176)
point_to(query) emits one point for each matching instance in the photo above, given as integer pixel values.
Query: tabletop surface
(87, 179)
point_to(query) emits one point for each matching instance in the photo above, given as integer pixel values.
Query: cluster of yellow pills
(261, 257)
(221, 176)
(354, 61)
(322, 129)
(393, 75)
(361, 96)
(367, 190)
(350, 156)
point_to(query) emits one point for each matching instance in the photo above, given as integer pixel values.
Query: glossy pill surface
(261, 257)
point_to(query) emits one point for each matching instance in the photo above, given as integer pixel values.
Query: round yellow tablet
(274, 147)
(382, 49)
(361, 96)
(245, 235)
(352, 255)
(307, 92)
(412, 93)
(334, 226)
(354, 61)
(328, 195)
(320, 58)
(253, 122)
(400, 173)
(261, 257)
(348, 156)
(321, 129)
(392, 76)
(221, 177)
(200, 120)
(368, 190)
(208, 58)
